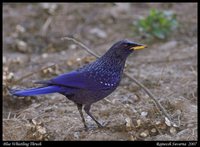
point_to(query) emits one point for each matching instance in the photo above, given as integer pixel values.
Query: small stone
(153, 130)
(72, 46)
(76, 135)
(173, 130)
(144, 114)
(134, 97)
(144, 134)
(20, 29)
(10, 76)
(45, 55)
(138, 123)
(34, 121)
(167, 122)
(129, 123)
(158, 122)
(48, 70)
(42, 130)
(163, 126)
(133, 138)
(4, 77)
(69, 63)
(4, 59)
(21, 46)
(78, 59)
(5, 69)
(51, 8)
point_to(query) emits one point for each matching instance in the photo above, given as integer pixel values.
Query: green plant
(157, 24)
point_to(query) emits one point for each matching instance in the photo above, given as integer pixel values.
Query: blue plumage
(37, 91)
(89, 83)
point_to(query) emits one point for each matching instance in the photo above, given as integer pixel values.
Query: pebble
(158, 122)
(76, 135)
(78, 59)
(129, 123)
(4, 59)
(167, 122)
(45, 55)
(50, 7)
(20, 29)
(69, 63)
(163, 126)
(153, 130)
(72, 46)
(144, 134)
(133, 138)
(21, 46)
(48, 70)
(34, 121)
(173, 130)
(144, 114)
(42, 130)
(138, 123)
(10, 76)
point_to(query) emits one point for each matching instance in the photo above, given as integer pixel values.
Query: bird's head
(123, 48)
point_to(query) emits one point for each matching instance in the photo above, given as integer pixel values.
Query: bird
(89, 83)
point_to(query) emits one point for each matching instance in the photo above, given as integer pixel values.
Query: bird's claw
(104, 124)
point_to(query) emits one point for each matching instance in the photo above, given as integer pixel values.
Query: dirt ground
(32, 40)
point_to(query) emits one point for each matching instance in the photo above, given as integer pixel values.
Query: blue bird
(89, 83)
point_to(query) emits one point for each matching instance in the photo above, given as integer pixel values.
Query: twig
(127, 75)
(46, 25)
(82, 45)
(9, 115)
(150, 95)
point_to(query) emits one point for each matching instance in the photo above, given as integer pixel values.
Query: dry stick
(133, 79)
(46, 26)
(82, 45)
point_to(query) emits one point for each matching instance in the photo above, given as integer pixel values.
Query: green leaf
(157, 24)
(159, 34)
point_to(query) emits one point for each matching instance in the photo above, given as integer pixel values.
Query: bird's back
(102, 79)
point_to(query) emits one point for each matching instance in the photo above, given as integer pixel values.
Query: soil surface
(32, 41)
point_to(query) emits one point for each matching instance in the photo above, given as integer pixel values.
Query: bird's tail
(36, 91)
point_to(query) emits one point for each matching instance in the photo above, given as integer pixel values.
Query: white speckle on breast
(105, 84)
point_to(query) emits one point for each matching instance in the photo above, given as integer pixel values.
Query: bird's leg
(87, 110)
(79, 106)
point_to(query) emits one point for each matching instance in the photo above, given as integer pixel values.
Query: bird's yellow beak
(138, 47)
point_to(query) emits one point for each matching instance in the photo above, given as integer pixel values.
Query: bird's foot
(103, 125)
(100, 126)
(86, 127)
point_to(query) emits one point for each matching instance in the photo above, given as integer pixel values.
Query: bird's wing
(74, 79)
